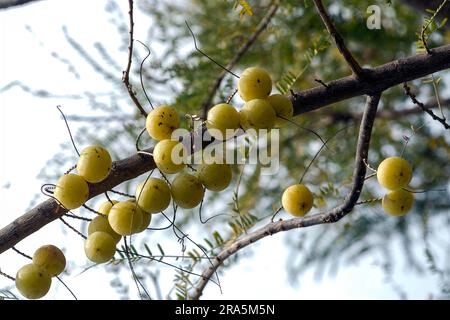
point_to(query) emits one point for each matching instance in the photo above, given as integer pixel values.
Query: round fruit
(223, 121)
(187, 190)
(51, 259)
(394, 173)
(254, 83)
(125, 218)
(146, 219)
(297, 200)
(161, 122)
(94, 164)
(32, 281)
(154, 196)
(397, 203)
(169, 156)
(106, 206)
(257, 114)
(101, 223)
(282, 106)
(100, 247)
(215, 177)
(71, 191)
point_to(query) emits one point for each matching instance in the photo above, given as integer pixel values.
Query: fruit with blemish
(222, 121)
(257, 114)
(153, 195)
(398, 203)
(297, 200)
(101, 223)
(125, 218)
(100, 247)
(187, 190)
(94, 164)
(254, 83)
(161, 122)
(50, 258)
(32, 281)
(169, 156)
(394, 173)
(215, 176)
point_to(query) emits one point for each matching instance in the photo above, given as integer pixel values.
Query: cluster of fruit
(394, 174)
(34, 280)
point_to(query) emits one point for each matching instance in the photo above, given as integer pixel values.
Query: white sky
(31, 131)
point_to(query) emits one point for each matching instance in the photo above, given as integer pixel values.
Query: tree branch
(334, 215)
(5, 4)
(242, 50)
(351, 61)
(126, 73)
(379, 79)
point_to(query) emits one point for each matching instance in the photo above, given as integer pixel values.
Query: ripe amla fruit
(297, 200)
(71, 191)
(257, 114)
(283, 108)
(94, 164)
(51, 259)
(169, 156)
(161, 122)
(101, 223)
(254, 83)
(187, 190)
(100, 247)
(397, 203)
(32, 281)
(106, 206)
(394, 173)
(153, 195)
(215, 176)
(125, 218)
(222, 121)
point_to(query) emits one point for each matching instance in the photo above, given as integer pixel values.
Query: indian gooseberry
(187, 190)
(125, 218)
(153, 196)
(169, 156)
(50, 258)
(297, 200)
(282, 106)
(106, 206)
(146, 219)
(215, 176)
(100, 247)
(161, 122)
(397, 203)
(394, 173)
(94, 164)
(32, 281)
(101, 223)
(71, 191)
(257, 114)
(222, 121)
(254, 83)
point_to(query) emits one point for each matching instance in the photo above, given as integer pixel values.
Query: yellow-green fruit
(215, 177)
(397, 203)
(125, 218)
(169, 156)
(282, 106)
(106, 206)
(100, 247)
(161, 122)
(94, 164)
(394, 173)
(50, 258)
(153, 196)
(101, 223)
(71, 191)
(297, 200)
(257, 114)
(32, 281)
(146, 219)
(222, 122)
(187, 190)
(254, 83)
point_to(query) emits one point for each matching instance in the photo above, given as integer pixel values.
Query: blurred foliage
(296, 50)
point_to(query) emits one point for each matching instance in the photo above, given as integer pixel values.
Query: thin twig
(353, 64)
(126, 73)
(423, 34)
(422, 106)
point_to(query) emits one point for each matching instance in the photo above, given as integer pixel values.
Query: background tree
(290, 40)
